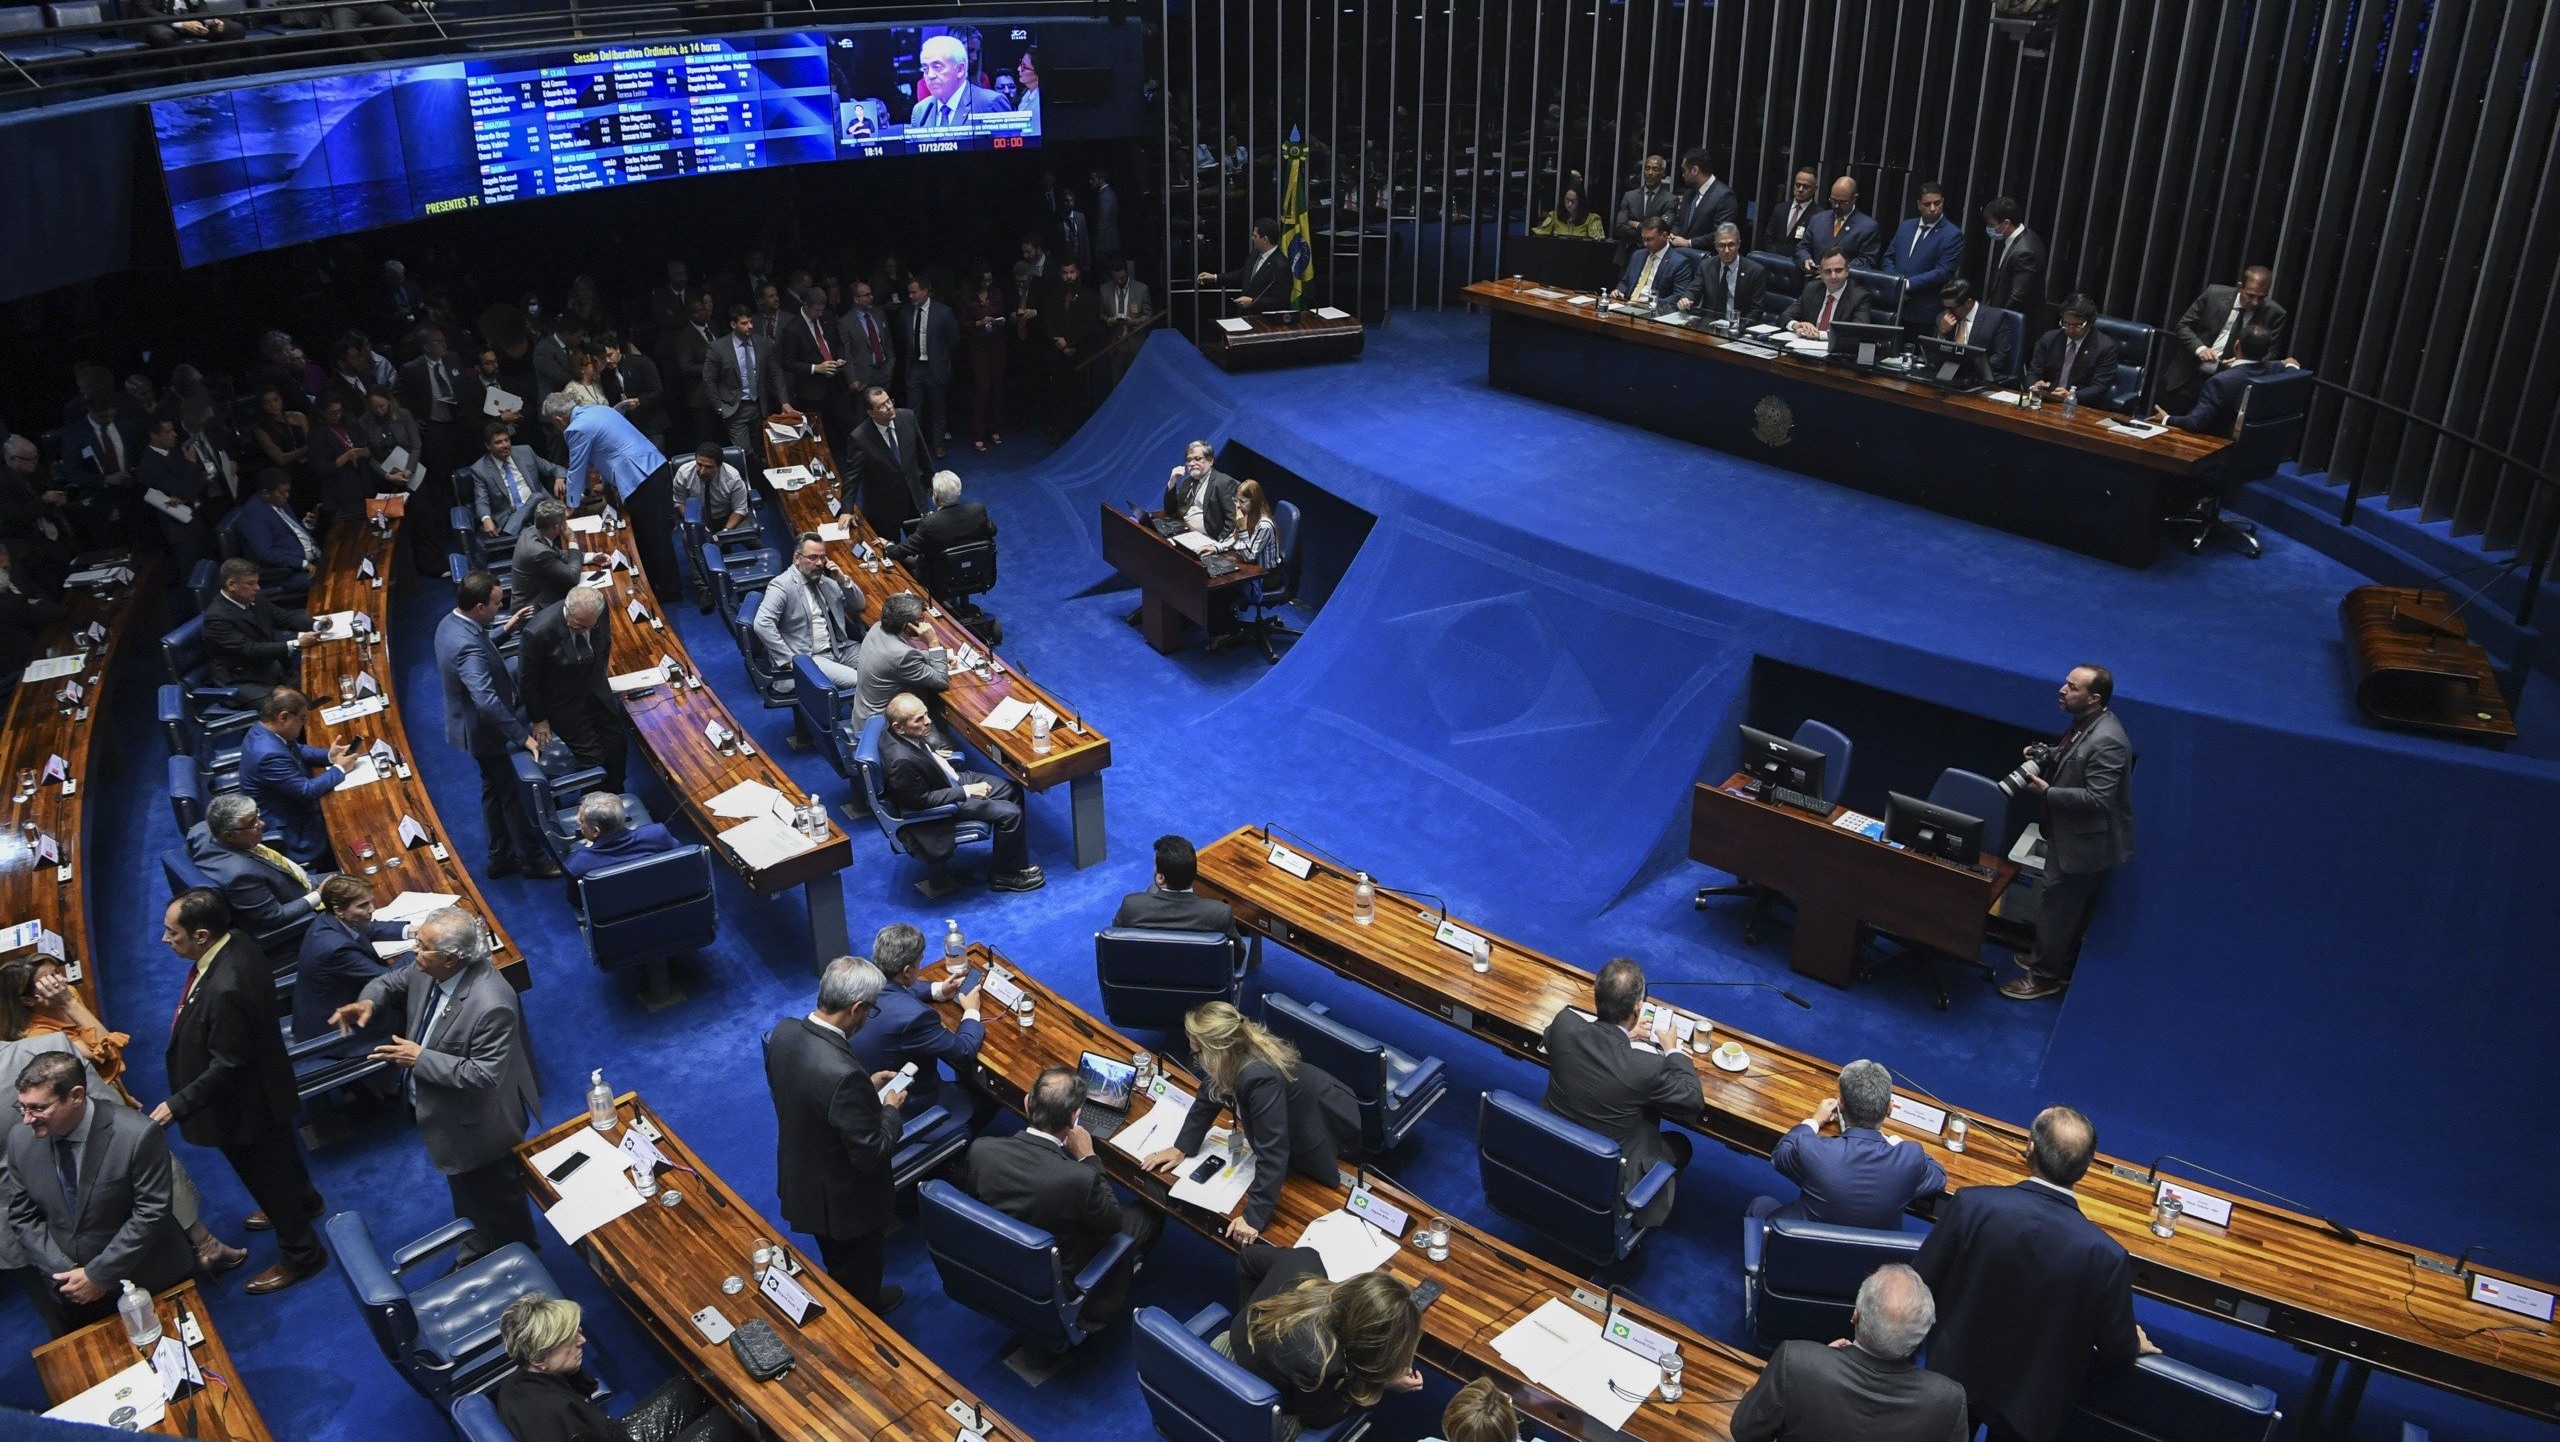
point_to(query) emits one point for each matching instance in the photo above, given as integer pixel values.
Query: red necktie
(820, 332)
(1825, 322)
(193, 976)
(871, 333)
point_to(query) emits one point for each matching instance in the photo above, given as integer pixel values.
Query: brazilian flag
(1297, 240)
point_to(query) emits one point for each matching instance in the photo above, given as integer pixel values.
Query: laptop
(1108, 1087)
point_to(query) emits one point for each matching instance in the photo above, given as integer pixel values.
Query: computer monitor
(1107, 1082)
(1864, 345)
(1957, 367)
(1932, 830)
(1781, 762)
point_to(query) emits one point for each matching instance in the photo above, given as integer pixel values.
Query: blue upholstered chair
(1885, 293)
(214, 711)
(774, 684)
(1835, 748)
(1786, 283)
(1272, 594)
(318, 1072)
(648, 911)
(2137, 363)
(2268, 433)
(822, 715)
(1800, 1279)
(2026, 342)
(69, 13)
(551, 800)
(1152, 978)
(220, 760)
(1559, 1179)
(281, 943)
(2161, 1399)
(186, 793)
(1007, 1270)
(442, 1335)
(475, 1419)
(1394, 1089)
(873, 786)
(1196, 1395)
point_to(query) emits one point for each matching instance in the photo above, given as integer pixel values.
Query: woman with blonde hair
(1295, 1115)
(552, 1399)
(1330, 1347)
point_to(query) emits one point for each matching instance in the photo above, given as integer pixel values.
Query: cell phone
(1209, 1167)
(1426, 1294)
(562, 1172)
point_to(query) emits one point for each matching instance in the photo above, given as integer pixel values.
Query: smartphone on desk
(1209, 1167)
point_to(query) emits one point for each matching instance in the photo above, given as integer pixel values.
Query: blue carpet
(1547, 636)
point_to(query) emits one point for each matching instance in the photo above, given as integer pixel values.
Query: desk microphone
(2151, 1175)
(1950, 1108)
(1269, 830)
(1762, 985)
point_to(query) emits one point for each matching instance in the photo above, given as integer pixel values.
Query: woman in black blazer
(552, 1400)
(1295, 1115)
(1330, 1347)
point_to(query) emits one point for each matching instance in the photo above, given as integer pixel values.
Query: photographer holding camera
(2088, 825)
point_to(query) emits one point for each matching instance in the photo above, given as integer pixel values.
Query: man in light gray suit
(2084, 784)
(898, 655)
(505, 482)
(946, 93)
(90, 1197)
(807, 611)
(460, 1038)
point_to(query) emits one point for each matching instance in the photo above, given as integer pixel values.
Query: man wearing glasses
(837, 1129)
(92, 1204)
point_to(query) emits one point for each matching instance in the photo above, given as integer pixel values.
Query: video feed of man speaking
(928, 88)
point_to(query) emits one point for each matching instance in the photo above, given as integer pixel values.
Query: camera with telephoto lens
(2039, 756)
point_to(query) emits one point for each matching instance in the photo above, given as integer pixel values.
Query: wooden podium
(2417, 667)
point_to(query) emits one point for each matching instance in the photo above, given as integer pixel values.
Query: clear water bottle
(1364, 899)
(141, 1317)
(955, 949)
(600, 1110)
(2070, 403)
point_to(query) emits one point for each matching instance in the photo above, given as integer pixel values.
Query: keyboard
(1781, 796)
(1167, 526)
(1219, 564)
(1102, 1125)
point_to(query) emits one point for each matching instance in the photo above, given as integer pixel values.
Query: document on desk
(1348, 1245)
(630, 681)
(2137, 430)
(1162, 1123)
(1233, 326)
(835, 531)
(389, 949)
(51, 667)
(764, 842)
(129, 1401)
(363, 773)
(586, 525)
(1326, 312)
(788, 478)
(2001, 398)
(1579, 299)
(744, 801)
(1195, 543)
(1542, 293)
(1757, 352)
(335, 625)
(1809, 345)
(1560, 1348)
(1220, 1190)
(414, 905)
(593, 1195)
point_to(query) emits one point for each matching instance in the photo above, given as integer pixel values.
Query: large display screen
(271, 165)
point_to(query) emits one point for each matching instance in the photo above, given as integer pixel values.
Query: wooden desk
(1266, 343)
(668, 724)
(2417, 667)
(1490, 1284)
(1077, 755)
(219, 1411)
(855, 1376)
(2271, 1270)
(1177, 587)
(38, 730)
(1840, 879)
(2072, 483)
(371, 814)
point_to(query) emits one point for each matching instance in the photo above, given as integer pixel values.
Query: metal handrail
(1153, 319)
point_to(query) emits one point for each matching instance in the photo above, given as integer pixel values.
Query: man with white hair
(611, 839)
(954, 522)
(836, 1130)
(564, 671)
(459, 1037)
(603, 443)
(1863, 1386)
(951, 95)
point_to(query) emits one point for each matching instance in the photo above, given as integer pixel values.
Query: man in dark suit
(564, 670)
(1860, 1178)
(2206, 338)
(480, 719)
(2084, 784)
(248, 640)
(101, 465)
(2217, 405)
(487, 374)
(430, 387)
(458, 1039)
(1071, 329)
(954, 522)
(929, 340)
(2030, 1293)
(890, 447)
(268, 892)
(1201, 494)
(1730, 284)
(1603, 1075)
(671, 302)
(507, 481)
(836, 1132)
(1833, 297)
(173, 487)
(631, 386)
(1967, 321)
(917, 769)
(2014, 276)
(1927, 252)
(230, 1084)
(287, 778)
(1047, 1176)
(742, 382)
(2075, 356)
(1702, 204)
(285, 553)
(682, 354)
(610, 838)
(552, 367)
(905, 1028)
(1782, 223)
(1843, 227)
(1652, 195)
(816, 367)
(1864, 1387)
(337, 961)
(870, 344)
(1659, 275)
(1263, 281)
(547, 560)
(91, 1208)
(1170, 904)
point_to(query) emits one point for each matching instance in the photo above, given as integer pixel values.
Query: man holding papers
(1047, 1176)
(1606, 1075)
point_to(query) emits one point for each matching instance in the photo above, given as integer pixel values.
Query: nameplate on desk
(411, 833)
(1457, 938)
(57, 769)
(353, 711)
(1921, 1117)
(48, 850)
(1377, 1211)
(49, 943)
(1291, 862)
(366, 685)
(69, 786)
(637, 611)
(640, 1153)
(785, 1292)
(2203, 1206)
(1638, 1338)
(2511, 1296)
(364, 568)
(1000, 985)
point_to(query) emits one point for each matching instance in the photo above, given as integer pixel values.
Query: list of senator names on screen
(619, 118)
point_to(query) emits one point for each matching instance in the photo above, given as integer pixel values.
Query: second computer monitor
(1781, 762)
(1932, 830)
(1864, 345)
(1957, 367)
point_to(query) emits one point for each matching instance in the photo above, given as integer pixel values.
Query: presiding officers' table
(853, 1377)
(2072, 483)
(218, 1411)
(1077, 753)
(365, 822)
(2369, 1302)
(1490, 1285)
(673, 725)
(1173, 578)
(1840, 879)
(62, 716)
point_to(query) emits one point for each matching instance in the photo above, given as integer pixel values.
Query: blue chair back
(1786, 282)
(186, 792)
(1554, 1177)
(181, 872)
(1393, 1090)
(2160, 1399)
(201, 583)
(819, 713)
(1976, 795)
(442, 1335)
(1801, 1278)
(1827, 739)
(182, 651)
(1001, 1268)
(776, 685)
(873, 785)
(649, 909)
(475, 1419)
(2268, 432)
(1284, 529)
(177, 723)
(1195, 1395)
(1885, 294)
(2137, 348)
(1152, 978)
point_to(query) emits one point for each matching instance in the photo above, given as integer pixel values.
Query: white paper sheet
(129, 1401)
(630, 681)
(389, 949)
(1348, 1245)
(2005, 398)
(1195, 543)
(362, 773)
(744, 801)
(582, 1209)
(1007, 714)
(586, 525)
(764, 842)
(413, 905)
(51, 667)
(788, 478)
(495, 401)
(1224, 1188)
(335, 625)
(835, 531)
(353, 710)
(1326, 312)
(99, 575)
(1560, 1348)
(1156, 1130)
(1235, 327)
(1542, 293)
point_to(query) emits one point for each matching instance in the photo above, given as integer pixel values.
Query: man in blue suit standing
(636, 477)
(480, 718)
(1844, 227)
(905, 1028)
(288, 778)
(1927, 252)
(1659, 276)
(1860, 1178)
